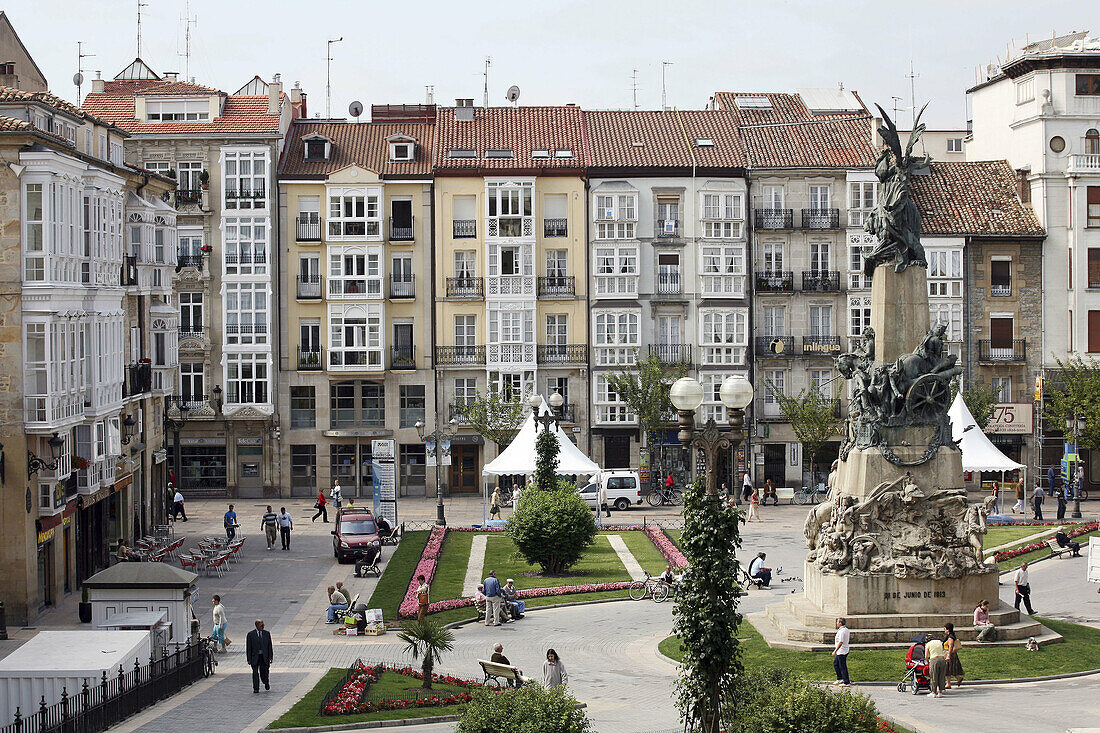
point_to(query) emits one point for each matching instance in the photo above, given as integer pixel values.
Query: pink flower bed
(426, 567)
(1033, 546)
(666, 546)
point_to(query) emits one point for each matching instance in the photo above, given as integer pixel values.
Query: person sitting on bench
(366, 559)
(1064, 541)
(512, 601)
(757, 570)
(383, 524)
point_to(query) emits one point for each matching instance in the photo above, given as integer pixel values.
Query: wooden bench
(500, 675)
(1056, 550)
(785, 493)
(505, 615)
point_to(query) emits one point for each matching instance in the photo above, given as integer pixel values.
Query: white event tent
(978, 453)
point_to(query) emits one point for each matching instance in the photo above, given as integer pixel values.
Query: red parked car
(355, 532)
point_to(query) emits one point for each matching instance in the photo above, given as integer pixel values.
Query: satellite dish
(513, 94)
(78, 78)
(355, 109)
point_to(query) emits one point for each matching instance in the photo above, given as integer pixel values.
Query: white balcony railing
(510, 285)
(730, 286)
(520, 354)
(617, 285)
(1085, 163)
(510, 227)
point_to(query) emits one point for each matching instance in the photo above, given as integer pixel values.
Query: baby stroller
(916, 665)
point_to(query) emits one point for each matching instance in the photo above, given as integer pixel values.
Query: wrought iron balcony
(775, 346)
(466, 287)
(668, 283)
(820, 345)
(821, 218)
(402, 230)
(188, 196)
(187, 402)
(464, 228)
(557, 286)
(459, 355)
(311, 361)
(403, 357)
(309, 229)
(402, 287)
(129, 274)
(190, 331)
(139, 379)
(567, 412)
(672, 353)
(821, 281)
(562, 353)
(1014, 350)
(666, 228)
(555, 227)
(773, 219)
(1005, 290)
(183, 261)
(310, 287)
(775, 282)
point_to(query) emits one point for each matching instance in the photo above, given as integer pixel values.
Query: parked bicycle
(810, 495)
(653, 587)
(661, 495)
(209, 662)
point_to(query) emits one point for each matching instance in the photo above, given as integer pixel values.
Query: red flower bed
(426, 567)
(350, 697)
(1033, 546)
(666, 546)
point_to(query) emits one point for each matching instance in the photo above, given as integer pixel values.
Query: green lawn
(391, 587)
(674, 535)
(997, 536)
(305, 711)
(450, 572)
(1080, 652)
(1015, 562)
(645, 552)
(599, 564)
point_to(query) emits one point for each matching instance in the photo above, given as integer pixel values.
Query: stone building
(222, 149)
(18, 69)
(88, 353)
(355, 220)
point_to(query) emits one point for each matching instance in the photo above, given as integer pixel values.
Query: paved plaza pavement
(609, 649)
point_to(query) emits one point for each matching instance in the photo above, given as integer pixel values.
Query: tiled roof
(11, 94)
(240, 114)
(365, 145)
(520, 129)
(784, 108)
(644, 139)
(10, 124)
(977, 198)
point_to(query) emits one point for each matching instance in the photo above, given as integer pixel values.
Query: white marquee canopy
(519, 456)
(978, 453)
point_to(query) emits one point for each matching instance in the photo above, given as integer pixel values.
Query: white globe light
(556, 399)
(534, 401)
(686, 394)
(736, 392)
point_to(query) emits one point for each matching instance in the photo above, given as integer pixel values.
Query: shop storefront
(202, 464)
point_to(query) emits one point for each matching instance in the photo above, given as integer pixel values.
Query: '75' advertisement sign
(1011, 418)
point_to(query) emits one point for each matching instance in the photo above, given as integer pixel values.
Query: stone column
(899, 310)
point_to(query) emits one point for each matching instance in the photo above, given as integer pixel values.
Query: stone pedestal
(899, 310)
(866, 468)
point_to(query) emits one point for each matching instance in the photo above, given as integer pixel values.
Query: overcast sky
(556, 51)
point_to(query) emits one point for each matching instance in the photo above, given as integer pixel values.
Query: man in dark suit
(259, 654)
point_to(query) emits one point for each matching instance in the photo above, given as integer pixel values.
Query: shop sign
(250, 441)
(357, 433)
(160, 456)
(468, 439)
(1011, 418)
(202, 441)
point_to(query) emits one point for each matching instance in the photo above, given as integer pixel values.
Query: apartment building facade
(222, 149)
(356, 358)
(510, 277)
(668, 272)
(89, 346)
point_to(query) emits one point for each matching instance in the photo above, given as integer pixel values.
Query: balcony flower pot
(204, 179)
(84, 608)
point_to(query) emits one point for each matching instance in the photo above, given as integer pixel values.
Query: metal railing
(821, 218)
(666, 228)
(190, 332)
(183, 261)
(562, 353)
(189, 196)
(310, 287)
(402, 286)
(555, 227)
(458, 355)
(403, 231)
(311, 361)
(245, 193)
(557, 285)
(774, 345)
(1010, 351)
(129, 274)
(672, 353)
(464, 228)
(821, 281)
(668, 283)
(773, 219)
(465, 287)
(820, 345)
(115, 697)
(309, 230)
(139, 379)
(403, 357)
(775, 282)
(1005, 291)
(184, 403)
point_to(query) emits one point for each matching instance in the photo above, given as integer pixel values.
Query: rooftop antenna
(913, 91)
(634, 77)
(78, 78)
(187, 21)
(513, 95)
(896, 100)
(488, 63)
(140, 5)
(664, 65)
(328, 77)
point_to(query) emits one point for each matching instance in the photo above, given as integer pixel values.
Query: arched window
(1092, 142)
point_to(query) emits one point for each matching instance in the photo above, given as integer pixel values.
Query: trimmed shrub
(531, 709)
(778, 701)
(552, 529)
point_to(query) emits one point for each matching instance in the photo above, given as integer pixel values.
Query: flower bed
(557, 590)
(426, 567)
(351, 697)
(666, 546)
(1033, 546)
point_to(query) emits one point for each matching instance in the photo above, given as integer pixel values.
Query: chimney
(464, 110)
(274, 92)
(97, 86)
(1023, 186)
(171, 76)
(876, 136)
(298, 100)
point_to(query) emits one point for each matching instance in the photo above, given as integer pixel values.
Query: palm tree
(429, 640)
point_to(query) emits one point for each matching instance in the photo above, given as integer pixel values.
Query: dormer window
(181, 110)
(500, 153)
(563, 153)
(401, 151)
(317, 147)
(541, 153)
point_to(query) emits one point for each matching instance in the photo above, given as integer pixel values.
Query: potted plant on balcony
(80, 463)
(206, 249)
(204, 179)
(84, 608)
(171, 173)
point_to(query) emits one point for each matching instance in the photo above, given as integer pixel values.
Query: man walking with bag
(259, 653)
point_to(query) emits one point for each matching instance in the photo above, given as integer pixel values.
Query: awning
(978, 453)
(519, 456)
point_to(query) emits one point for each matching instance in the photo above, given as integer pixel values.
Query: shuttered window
(1094, 267)
(1000, 333)
(1094, 332)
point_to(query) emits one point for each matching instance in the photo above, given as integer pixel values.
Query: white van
(623, 489)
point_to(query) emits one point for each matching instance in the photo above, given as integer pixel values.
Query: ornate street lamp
(36, 464)
(535, 401)
(438, 435)
(1075, 425)
(686, 395)
(128, 424)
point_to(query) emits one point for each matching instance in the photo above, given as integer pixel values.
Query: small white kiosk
(133, 587)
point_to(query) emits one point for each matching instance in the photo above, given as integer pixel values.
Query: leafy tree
(495, 416)
(706, 611)
(644, 389)
(426, 640)
(979, 399)
(546, 460)
(530, 709)
(1073, 392)
(779, 700)
(552, 528)
(812, 417)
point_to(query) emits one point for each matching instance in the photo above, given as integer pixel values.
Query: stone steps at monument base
(782, 630)
(803, 610)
